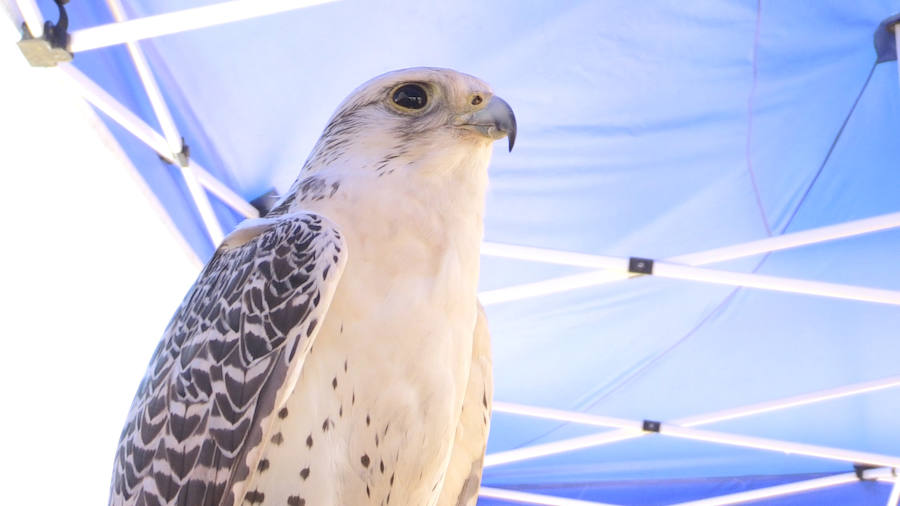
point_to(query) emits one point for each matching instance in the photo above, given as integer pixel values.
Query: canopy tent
(689, 272)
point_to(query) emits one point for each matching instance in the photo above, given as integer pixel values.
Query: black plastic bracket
(859, 469)
(885, 40)
(53, 45)
(640, 265)
(265, 202)
(652, 426)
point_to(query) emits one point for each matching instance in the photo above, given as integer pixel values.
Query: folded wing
(225, 362)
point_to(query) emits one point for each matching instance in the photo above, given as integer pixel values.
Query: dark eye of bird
(476, 99)
(411, 96)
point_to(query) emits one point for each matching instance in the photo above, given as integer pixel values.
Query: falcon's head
(411, 115)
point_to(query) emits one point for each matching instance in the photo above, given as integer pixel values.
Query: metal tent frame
(169, 144)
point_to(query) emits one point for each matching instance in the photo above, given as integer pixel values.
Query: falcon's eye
(410, 96)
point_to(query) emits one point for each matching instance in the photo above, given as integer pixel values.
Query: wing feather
(224, 363)
(463, 476)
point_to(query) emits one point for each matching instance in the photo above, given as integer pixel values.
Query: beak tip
(509, 124)
(495, 120)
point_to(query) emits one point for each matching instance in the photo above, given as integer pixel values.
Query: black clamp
(266, 202)
(885, 40)
(651, 426)
(53, 45)
(860, 469)
(640, 265)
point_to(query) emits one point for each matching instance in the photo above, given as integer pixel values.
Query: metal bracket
(181, 158)
(52, 47)
(859, 469)
(885, 41)
(265, 202)
(640, 265)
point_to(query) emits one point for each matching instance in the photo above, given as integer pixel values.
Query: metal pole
(896, 29)
(207, 215)
(566, 445)
(632, 429)
(32, 16)
(180, 21)
(102, 100)
(668, 429)
(791, 402)
(791, 240)
(788, 488)
(529, 498)
(550, 286)
(170, 131)
(553, 256)
(224, 193)
(566, 416)
(790, 285)
(128, 120)
(894, 498)
(595, 278)
(690, 273)
(157, 102)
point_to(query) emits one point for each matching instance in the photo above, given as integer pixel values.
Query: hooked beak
(496, 121)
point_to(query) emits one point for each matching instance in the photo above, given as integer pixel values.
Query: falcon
(333, 352)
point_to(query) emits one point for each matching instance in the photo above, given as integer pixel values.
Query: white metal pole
(102, 100)
(566, 416)
(790, 285)
(824, 452)
(595, 278)
(157, 102)
(529, 498)
(894, 498)
(565, 445)
(180, 21)
(553, 256)
(207, 215)
(550, 286)
(170, 132)
(690, 273)
(791, 240)
(224, 193)
(670, 429)
(34, 20)
(781, 242)
(128, 120)
(791, 402)
(630, 432)
(788, 488)
(896, 28)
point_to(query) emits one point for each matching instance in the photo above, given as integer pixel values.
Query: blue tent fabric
(646, 129)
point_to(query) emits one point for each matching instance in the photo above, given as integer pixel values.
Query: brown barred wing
(224, 362)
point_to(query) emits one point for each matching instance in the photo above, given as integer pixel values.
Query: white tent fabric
(652, 130)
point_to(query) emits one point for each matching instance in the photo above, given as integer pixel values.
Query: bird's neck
(424, 208)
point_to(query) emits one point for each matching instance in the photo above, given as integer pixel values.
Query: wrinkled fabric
(648, 129)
